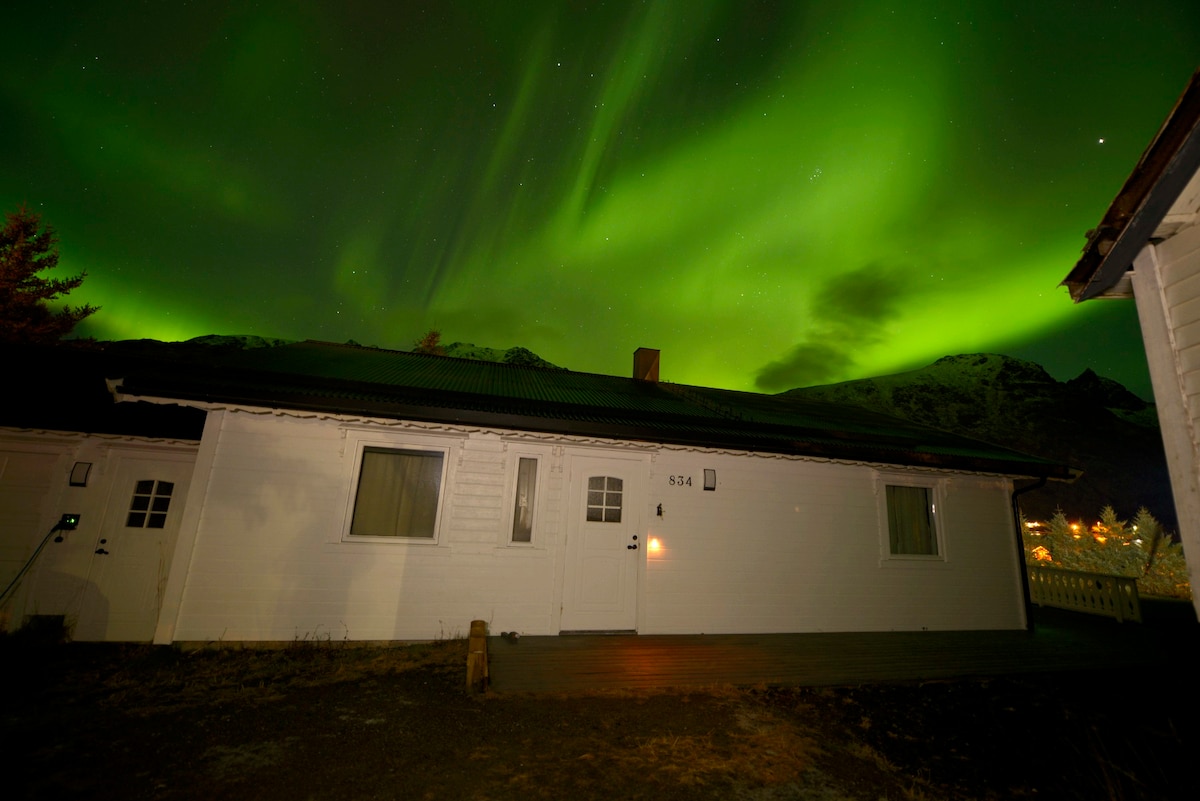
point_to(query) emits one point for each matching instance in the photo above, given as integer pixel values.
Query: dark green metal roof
(350, 379)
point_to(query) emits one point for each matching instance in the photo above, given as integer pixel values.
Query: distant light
(1101, 140)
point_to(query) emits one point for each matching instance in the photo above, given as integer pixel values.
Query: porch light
(654, 545)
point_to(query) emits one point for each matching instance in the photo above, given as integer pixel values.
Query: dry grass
(763, 751)
(155, 679)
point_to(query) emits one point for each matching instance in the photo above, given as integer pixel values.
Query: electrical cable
(12, 584)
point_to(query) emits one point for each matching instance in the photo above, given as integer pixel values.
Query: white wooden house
(356, 493)
(91, 495)
(1147, 247)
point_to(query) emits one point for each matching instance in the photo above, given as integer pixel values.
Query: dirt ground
(329, 721)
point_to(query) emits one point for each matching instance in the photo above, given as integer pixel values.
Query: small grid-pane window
(151, 500)
(604, 499)
(911, 528)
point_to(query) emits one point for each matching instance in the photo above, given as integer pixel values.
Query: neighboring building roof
(61, 388)
(355, 380)
(1161, 196)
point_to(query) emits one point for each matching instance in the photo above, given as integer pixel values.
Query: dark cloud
(870, 295)
(808, 363)
(848, 312)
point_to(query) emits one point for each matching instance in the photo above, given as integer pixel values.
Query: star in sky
(756, 188)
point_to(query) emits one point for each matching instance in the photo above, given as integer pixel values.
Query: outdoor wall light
(79, 474)
(68, 522)
(710, 479)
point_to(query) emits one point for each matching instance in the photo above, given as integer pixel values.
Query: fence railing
(1096, 593)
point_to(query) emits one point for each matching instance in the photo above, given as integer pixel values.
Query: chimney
(645, 364)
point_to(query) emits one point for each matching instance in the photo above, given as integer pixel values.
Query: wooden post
(477, 662)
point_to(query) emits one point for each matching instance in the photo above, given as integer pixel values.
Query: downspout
(1041, 482)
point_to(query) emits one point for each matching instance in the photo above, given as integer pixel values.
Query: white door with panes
(605, 544)
(131, 554)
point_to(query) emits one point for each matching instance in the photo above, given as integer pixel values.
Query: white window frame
(357, 444)
(937, 493)
(539, 497)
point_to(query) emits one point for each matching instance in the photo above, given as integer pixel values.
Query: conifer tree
(27, 250)
(431, 343)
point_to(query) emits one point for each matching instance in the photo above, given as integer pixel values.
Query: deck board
(1060, 641)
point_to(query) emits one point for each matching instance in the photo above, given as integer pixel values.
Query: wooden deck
(1060, 641)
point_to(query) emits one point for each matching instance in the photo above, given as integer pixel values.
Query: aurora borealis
(774, 194)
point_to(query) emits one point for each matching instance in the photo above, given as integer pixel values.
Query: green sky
(774, 194)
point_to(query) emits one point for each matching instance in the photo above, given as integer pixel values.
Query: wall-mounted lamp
(710, 479)
(79, 474)
(68, 522)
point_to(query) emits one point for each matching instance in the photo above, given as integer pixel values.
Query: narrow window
(911, 528)
(523, 506)
(397, 494)
(604, 499)
(148, 508)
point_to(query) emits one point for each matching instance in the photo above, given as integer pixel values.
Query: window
(526, 497)
(912, 529)
(604, 499)
(397, 494)
(148, 509)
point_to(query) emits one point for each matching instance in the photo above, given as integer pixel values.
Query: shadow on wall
(268, 562)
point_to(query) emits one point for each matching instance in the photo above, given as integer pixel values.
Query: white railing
(1096, 593)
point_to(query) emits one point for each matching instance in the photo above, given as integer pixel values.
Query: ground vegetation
(322, 720)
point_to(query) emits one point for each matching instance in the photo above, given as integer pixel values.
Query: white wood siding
(269, 560)
(1179, 271)
(1166, 282)
(33, 477)
(35, 469)
(781, 545)
(792, 546)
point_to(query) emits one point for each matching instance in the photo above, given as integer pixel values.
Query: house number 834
(680, 481)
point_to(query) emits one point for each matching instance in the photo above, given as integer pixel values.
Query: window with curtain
(397, 494)
(523, 505)
(911, 528)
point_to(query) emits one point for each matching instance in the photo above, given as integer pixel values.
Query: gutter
(1041, 482)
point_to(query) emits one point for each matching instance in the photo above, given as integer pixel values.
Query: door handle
(631, 547)
(102, 552)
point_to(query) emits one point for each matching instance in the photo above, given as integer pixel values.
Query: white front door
(605, 544)
(131, 553)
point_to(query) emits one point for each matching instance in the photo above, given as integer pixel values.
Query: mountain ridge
(1088, 422)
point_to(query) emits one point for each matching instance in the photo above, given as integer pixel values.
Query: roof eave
(1131, 219)
(856, 452)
